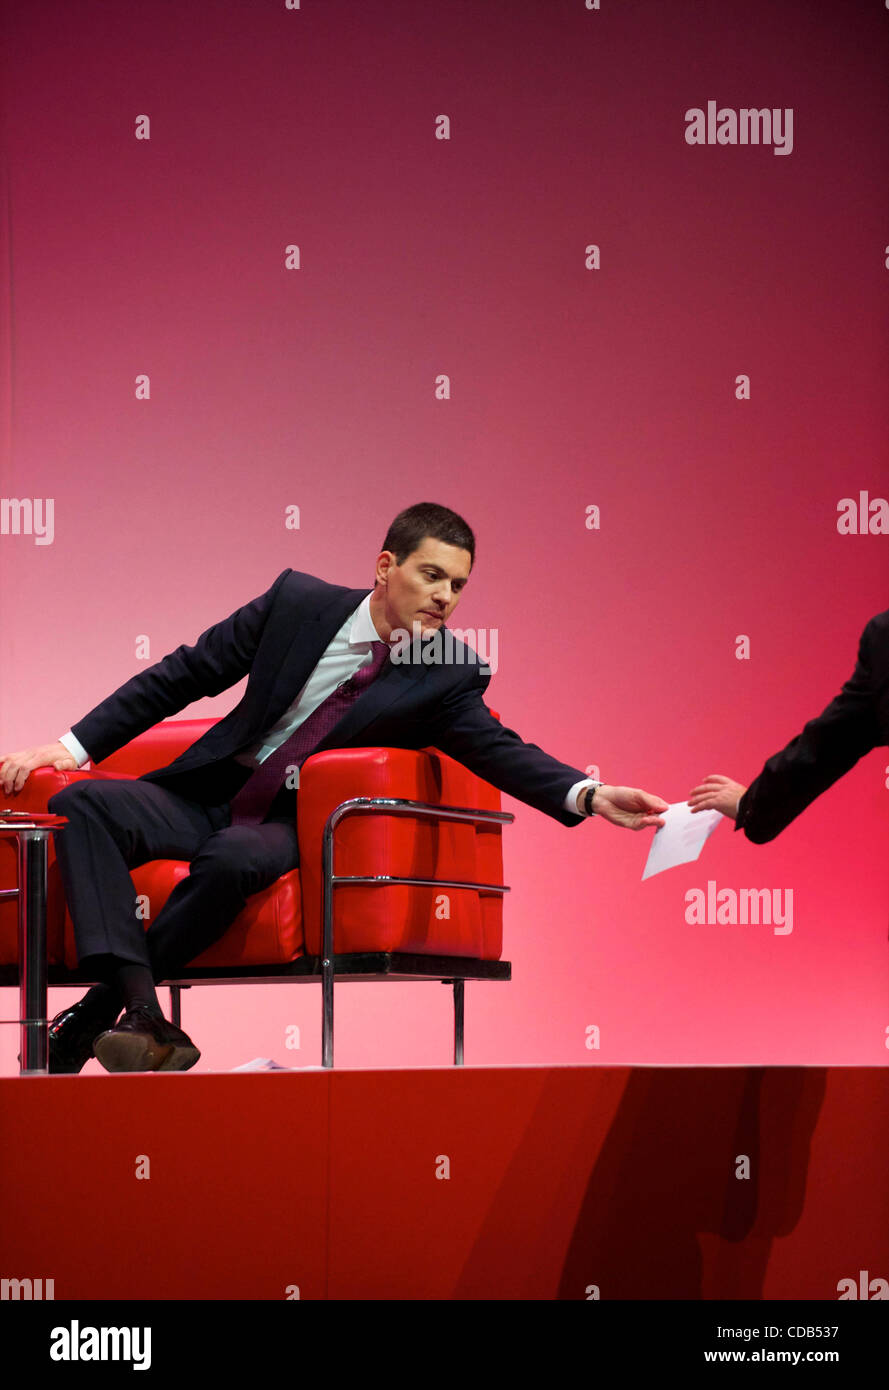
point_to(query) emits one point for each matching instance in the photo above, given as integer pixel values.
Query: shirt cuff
(570, 802)
(75, 748)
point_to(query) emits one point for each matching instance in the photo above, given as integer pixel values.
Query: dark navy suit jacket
(851, 725)
(276, 641)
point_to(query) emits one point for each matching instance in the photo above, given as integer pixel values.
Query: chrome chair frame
(398, 806)
(33, 977)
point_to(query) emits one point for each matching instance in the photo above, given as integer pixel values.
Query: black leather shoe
(143, 1042)
(70, 1037)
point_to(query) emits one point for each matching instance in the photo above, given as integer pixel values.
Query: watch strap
(588, 796)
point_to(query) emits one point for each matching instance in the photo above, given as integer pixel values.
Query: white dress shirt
(349, 649)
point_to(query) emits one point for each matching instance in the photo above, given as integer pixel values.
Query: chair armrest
(399, 846)
(44, 782)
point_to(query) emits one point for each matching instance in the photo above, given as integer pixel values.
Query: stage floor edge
(474, 1183)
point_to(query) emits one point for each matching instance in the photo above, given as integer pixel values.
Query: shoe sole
(180, 1058)
(131, 1052)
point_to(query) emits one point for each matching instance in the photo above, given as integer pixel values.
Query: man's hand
(628, 806)
(717, 793)
(15, 767)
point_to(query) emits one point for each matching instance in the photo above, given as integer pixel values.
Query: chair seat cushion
(267, 932)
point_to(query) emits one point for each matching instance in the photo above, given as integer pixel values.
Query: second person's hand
(717, 793)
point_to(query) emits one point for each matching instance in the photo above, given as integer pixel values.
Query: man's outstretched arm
(468, 732)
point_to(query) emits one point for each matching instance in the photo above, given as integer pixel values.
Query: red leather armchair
(400, 868)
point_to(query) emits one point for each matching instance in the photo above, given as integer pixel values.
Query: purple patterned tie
(251, 804)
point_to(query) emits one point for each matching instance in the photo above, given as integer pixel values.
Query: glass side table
(31, 831)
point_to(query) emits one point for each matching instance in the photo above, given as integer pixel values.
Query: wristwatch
(588, 798)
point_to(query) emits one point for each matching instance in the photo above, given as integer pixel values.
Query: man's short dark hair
(411, 527)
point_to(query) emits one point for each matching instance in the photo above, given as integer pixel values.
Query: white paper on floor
(261, 1064)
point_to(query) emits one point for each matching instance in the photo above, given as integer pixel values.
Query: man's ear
(384, 559)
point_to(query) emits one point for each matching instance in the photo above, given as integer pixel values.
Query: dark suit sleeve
(826, 749)
(220, 657)
(468, 732)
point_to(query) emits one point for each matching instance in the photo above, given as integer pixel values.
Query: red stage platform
(449, 1183)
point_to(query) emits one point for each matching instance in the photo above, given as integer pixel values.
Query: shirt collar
(362, 629)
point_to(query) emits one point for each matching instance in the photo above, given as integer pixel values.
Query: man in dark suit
(327, 667)
(851, 725)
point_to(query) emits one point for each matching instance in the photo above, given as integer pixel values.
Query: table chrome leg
(32, 877)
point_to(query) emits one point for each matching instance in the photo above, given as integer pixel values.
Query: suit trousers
(114, 826)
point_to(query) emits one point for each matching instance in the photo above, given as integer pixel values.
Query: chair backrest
(160, 745)
(157, 746)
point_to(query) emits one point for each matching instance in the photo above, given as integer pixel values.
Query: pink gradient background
(315, 387)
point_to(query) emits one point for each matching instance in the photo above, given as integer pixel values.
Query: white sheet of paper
(681, 838)
(261, 1064)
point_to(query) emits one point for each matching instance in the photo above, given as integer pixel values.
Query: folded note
(681, 837)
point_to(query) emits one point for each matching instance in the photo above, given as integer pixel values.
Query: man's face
(424, 590)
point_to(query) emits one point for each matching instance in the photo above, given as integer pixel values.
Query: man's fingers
(15, 768)
(645, 801)
(17, 775)
(706, 796)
